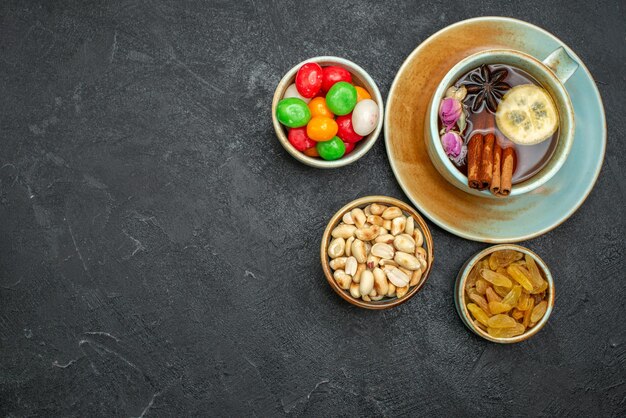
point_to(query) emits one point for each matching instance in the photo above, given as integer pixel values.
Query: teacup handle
(561, 64)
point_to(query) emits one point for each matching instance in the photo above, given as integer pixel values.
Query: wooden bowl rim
(362, 202)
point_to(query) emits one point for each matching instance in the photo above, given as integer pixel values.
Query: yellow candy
(321, 128)
(361, 94)
(318, 107)
(312, 152)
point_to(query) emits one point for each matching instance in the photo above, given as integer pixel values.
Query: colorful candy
(327, 114)
(312, 152)
(292, 91)
(365, 117)
(299, 139)
(345, 131)
(318, 107)
(349, 147)
(341, 98)
(321, 128)
(333, 74)
(361, 94)
(309, 79)
(331, 150)
(293, 112)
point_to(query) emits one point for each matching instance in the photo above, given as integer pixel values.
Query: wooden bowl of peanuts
(376, 252)
(505, 293)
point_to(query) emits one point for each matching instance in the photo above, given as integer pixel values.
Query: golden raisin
(481, 286)
(503, 258)
(523, 303)
(501, 321)
(512, 297)
(501, 291)
(539, 311)
(492, 295)
(517, 329)
(528, 313)
(516, 273)
(499, 307)
(478, 313)
(480, 301)
(496, 278)
(517, 314)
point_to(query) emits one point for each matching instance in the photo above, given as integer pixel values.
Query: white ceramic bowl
(360, 78)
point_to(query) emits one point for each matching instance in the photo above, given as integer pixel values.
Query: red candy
(345, 130)
(349, 147)
(309, 79)
(332, 75)
(299, 139)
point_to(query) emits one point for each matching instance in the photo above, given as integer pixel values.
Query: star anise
(486, 86)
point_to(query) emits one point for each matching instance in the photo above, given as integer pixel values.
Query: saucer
(509, 219)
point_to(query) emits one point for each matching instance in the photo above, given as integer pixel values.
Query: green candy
(341, 98)
(293, 112)
(331, 150)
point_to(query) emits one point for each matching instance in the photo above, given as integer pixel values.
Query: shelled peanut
(377, 252)
(506, 293)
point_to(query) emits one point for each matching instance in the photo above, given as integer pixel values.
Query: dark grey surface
(159, 249)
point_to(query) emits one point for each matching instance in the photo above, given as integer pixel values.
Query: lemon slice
(527, 115)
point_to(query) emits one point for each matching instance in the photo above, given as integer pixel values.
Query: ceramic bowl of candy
(505, 293)
(327, 112)
(376, 252)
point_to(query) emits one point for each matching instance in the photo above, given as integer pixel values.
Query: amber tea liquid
(530, 158)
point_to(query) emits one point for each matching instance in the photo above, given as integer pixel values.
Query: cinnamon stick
(497, 169)
(508, 163)
(474, 156)
(486, 161)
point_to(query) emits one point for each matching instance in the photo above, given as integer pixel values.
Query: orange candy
(318, 107)
(321, 128)
(311, 152)
(361, 94)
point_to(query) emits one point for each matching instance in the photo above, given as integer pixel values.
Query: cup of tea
(501, 122)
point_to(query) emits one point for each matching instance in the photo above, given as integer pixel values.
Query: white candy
(365, 117)
(292, 91)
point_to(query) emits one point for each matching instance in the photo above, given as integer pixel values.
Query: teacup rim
(537, 180)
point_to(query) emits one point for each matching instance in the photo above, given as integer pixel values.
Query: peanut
(344, 231)
(367, 282)
(397, 225)
(336, 248)
(359, 217)
(359, 251)
(391, 212)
